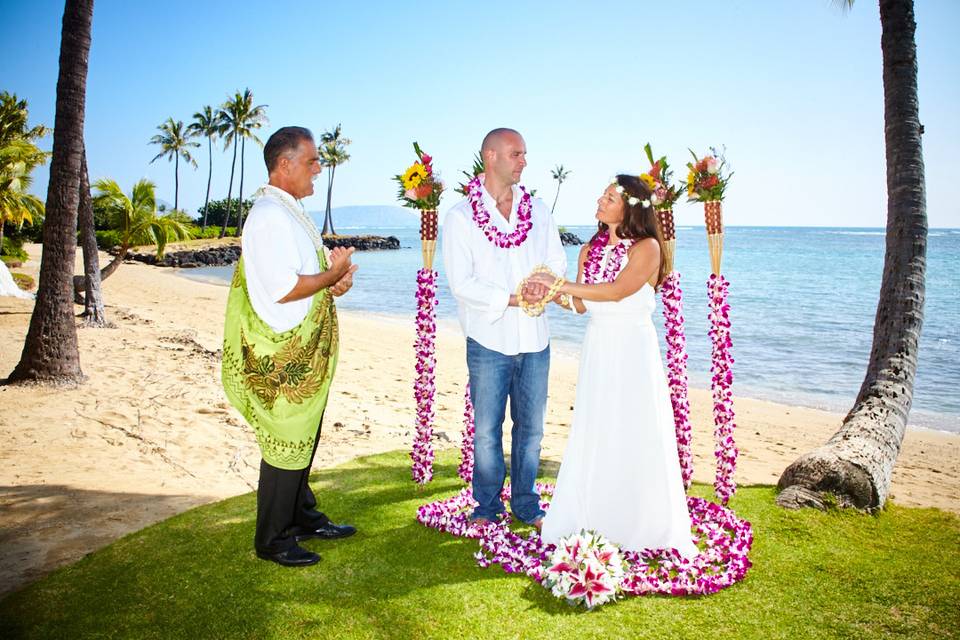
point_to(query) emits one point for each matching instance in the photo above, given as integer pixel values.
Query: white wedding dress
(8, 287)
(620, 474)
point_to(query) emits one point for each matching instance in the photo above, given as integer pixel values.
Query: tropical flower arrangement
(676, 365)
(707, 183)
(465, 470)
(724, 541)
(659, 179)
(586, 568)
(420, 185)
(721, 370)
(707, 177)
(421, 188)
(424, 383)
(475, 171)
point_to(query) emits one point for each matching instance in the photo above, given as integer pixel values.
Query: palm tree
(175, 142)
(50, 350)
(18, 157)
(333, 152)
(254, 117)
(559, 174)
(93, 310)
(857, 462)
(135, 217)
(206, 123)
(239, 119)
(13, 120)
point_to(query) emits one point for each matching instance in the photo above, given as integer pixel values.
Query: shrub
(212, 231)
(13, 247)
(107, 239)
(23, 281)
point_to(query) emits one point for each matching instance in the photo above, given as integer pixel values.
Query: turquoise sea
(802, 307)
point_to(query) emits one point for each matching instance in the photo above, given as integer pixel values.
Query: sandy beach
(150, 434)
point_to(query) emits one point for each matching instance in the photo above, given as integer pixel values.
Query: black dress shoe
(327, 531)
(292, 557)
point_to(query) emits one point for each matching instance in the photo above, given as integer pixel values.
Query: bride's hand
(543, 279)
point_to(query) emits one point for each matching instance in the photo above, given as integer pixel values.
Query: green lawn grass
(837, 574)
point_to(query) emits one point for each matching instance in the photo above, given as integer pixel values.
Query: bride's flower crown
(631, 200)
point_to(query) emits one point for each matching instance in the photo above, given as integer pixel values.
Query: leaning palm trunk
(328, 214)
(176, 181)
(857, 462)
(233, 166)
(206, 201)
(93, 312)
(80, 282)
(50, 351)
(243, 153)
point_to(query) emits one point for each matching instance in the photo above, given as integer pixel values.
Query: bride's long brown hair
(639, 222)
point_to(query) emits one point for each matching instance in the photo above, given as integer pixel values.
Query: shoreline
(149, 434)
(929, 421)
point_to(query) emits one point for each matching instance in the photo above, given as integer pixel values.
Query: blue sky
(793, 90)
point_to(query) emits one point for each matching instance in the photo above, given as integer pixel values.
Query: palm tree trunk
(176, 180)
(555, 199)
(243, 154)
(50, 351)
(857, 462)
(206, 202)
(93, 312)
(233, 166)
(328, 215)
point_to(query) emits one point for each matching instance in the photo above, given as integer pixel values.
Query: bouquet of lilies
(420, 186)
(587, 569)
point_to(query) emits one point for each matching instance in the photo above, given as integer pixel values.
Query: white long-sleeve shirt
(482, 275)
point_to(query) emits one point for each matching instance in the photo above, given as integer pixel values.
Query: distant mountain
(377, 216)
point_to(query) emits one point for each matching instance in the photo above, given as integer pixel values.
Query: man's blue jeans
(494, 377)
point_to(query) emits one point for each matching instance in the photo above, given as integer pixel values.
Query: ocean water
(802, 301)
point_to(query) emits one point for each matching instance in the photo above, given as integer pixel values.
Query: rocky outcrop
(568, 239)
(362, 243)
(227, 254)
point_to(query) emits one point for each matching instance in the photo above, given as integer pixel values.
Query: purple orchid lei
(424, 385)
(465, 471)
(591, 266)
(482, 217)
(721, 371)
(724, 541)
(676, 339)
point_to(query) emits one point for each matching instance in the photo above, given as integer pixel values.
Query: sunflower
(648, 180)
(414, 176)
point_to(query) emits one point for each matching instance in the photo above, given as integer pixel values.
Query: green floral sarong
(280, 381)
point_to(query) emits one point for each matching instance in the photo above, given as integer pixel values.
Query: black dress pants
(285, 503)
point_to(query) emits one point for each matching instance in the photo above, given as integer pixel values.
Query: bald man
(492, 240)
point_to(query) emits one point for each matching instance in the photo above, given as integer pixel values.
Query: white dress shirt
(482, 275)
(276, 251)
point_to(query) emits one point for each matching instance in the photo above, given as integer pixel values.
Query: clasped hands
(538, 289)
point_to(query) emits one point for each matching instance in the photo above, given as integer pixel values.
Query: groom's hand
(533, 292)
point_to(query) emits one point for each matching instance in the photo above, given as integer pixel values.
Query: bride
(620, 475)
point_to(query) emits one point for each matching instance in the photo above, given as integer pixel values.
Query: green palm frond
(333, 147)
(135, 216)
(174, 140)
